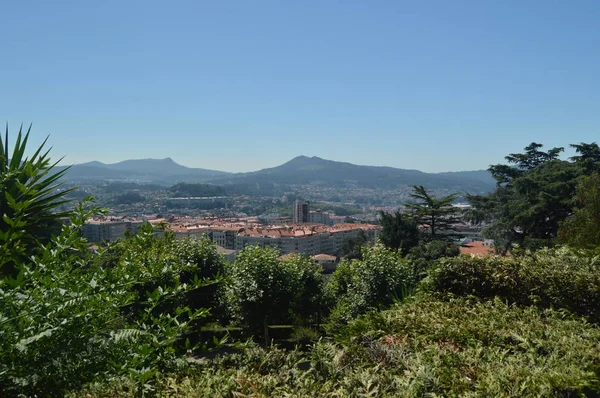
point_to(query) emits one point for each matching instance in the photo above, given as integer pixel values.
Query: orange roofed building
(477, 248)
(308, 239)
(305, 239)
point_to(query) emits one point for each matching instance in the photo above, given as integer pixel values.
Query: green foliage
(65, 321)
(352, 247)
(263, 290)
(582, 229)
(399, 231)
(426, 254)
(304, 335)
(29, 192)
(128, 198)
(467, 348)
(534, 194)
(183, 190)
(358, 286)
(341, 210)
(419, 348)
(308, 294)
(436, 213)
(560, 278)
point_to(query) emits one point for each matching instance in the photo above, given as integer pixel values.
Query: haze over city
(239, 86)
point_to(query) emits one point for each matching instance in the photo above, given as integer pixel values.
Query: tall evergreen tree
(437, 214)
(534, 194)
(399, 231)
(582, 228)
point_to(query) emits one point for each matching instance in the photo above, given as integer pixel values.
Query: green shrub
(426, 254)
(308, 295)
(262, 290)
(376, 281)
(304, 335)
(422, 347)
(65, 321)
(29, 200)
(560, 278)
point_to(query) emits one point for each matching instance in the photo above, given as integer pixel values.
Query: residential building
(99, 230)
(309, 240)
(327, 261)
(319, 217)
(301, 212)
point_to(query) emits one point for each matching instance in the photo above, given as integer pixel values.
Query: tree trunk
(266, 326)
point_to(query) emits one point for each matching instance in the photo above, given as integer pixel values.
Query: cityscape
(255, 199)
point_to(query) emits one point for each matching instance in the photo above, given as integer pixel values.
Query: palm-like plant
(29, 196)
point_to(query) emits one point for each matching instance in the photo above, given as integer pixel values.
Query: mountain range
(158, 171)
(300, 170)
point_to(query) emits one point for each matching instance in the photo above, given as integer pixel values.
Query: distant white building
(320, 217)
(99, 230)
(227, 253)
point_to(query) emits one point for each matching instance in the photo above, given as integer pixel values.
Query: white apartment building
(320, 217)
(103, 230)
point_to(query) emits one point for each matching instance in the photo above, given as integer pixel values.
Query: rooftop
(477, 249)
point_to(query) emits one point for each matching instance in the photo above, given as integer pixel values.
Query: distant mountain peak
(304, 160)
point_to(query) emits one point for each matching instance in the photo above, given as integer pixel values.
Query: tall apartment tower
(301, 213)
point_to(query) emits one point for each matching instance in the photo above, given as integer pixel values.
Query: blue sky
(242, 85)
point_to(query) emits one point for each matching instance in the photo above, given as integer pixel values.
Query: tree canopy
(582, 228)
(436, 213)
(399, 231)
(534, 194)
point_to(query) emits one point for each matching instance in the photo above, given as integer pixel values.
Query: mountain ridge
(297, 171)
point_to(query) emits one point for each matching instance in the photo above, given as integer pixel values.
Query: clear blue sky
(242, 85)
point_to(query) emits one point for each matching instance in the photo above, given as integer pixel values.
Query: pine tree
(437, 214)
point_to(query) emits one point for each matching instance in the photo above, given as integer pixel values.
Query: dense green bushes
(374, 282)
(263, 290)
(559, 278)
(121, 319)
(422, 347)
(66, 320)
(125, 323)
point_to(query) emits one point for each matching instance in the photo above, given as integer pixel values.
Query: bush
(559, 278)
(30, 194)
(428, 252)
(463, 347)
(419, 348)
(374, 282)
(263, 290)
(308, 295)
(66, 321)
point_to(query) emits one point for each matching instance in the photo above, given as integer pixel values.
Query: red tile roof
(477, 249)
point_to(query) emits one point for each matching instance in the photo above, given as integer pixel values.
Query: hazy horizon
(241, 86)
